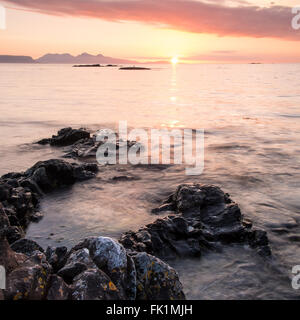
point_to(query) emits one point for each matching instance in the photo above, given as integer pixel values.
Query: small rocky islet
(201, 217)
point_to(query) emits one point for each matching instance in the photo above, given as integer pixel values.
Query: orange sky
(201, 31)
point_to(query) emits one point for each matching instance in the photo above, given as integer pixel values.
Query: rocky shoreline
(201, 217)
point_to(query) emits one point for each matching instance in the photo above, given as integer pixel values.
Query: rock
(21, 192)
(111, 257)
(8, 258)
(4, 191)
(26, 277)
(94, 284)
(88, 147)
(70, 271)
(66, 137)
(124, 178)
(156, 280)
(77, 262)
(36, 217)
(4, 221)
(203, 215)
(57, 257)
(26, 246)
(29, 280)
(58, 289)
(14, 234)
(52, 174)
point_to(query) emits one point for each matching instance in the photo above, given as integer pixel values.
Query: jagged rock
(156, 280)
(57, 257)
(29, 280)
(52, 174)
(111, 257)
(94, 284)
(77, 262)
(26, 246)
(14, 234)
(4, 221)
(70, 271)
(8, 258)
(26, 276)
(66, 137)
(21, 192)
(203, 215)
(58, 289)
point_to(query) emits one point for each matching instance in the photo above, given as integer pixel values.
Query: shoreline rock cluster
(80, 143)
(201, 218)
(20, 192)
(95, 269)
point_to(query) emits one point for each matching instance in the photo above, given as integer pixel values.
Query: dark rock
(156, 280)
(57, 257)
(52, 174)
(111, 257)
(29, 280)
(26, 246)
(26, 277)
(4, 221)
(14, 233)
(66, 137)
(36, 217)
(21, 192)
(4, 191)
(58, 289)
(163, 208)
(77, 262)
(94, 284)
(204, 215)
(124, 178)
(70, 271)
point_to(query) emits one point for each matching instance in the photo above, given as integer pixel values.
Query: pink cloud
(184, 15)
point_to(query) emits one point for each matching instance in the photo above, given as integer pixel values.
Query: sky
(232, 31)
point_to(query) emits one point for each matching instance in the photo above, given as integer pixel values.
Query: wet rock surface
(203, 216)
(20, 192)
(80, 144)
(66, 137)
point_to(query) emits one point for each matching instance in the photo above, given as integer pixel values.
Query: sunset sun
(174, 60)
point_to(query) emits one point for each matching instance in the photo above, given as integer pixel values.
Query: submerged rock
(82, 145)
(203, 215)
(66, 137)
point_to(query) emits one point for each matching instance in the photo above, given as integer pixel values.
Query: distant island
(56, 58)
(94, 65)
(84, 59)
(134, 68)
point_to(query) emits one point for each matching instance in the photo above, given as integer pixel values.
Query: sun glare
(174, 60)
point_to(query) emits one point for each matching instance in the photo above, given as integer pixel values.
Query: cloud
(214, 17)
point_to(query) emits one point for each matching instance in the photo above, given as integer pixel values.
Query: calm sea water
(250, 114)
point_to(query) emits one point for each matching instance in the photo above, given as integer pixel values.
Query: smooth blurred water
(250, 114)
